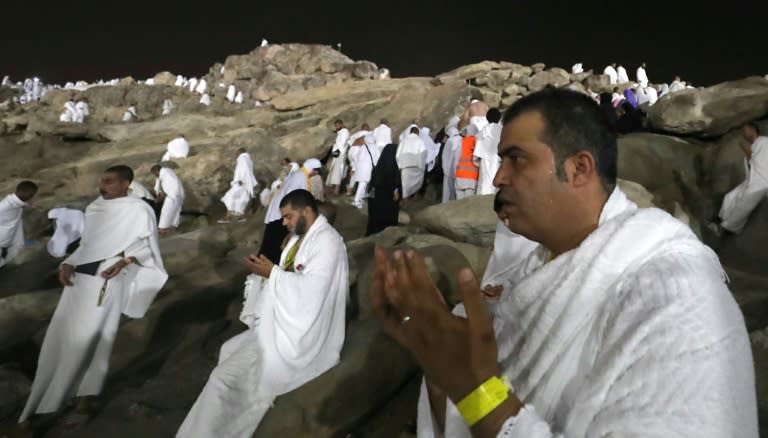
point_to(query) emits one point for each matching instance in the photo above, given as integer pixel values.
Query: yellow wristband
(483, 400)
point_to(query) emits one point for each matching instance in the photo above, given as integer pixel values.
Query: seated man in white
(130, 114)
(295, 314)
(11, 226)
(177, 148)
(744, 198)
(241, 188)
(69, 224)
(620, 323)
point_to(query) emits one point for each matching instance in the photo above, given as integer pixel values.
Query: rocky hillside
(689, 157)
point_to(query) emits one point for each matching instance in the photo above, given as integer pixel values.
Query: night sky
(704, 42)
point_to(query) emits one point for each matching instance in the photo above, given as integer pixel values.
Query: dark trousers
(274, 234)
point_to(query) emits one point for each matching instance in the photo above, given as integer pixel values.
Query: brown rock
(711, 111)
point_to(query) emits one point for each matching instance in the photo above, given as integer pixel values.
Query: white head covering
(453, 122)
(312, 163)
(369, 139)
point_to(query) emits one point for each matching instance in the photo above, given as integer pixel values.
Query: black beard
(301, 226)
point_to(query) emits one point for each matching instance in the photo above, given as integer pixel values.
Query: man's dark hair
(122, 171)
(384, 121)
(156, 167)
(26, 188)
(572, 123)
(339, 121)
(754, 126)
(414, 130)
(493, 115)
(298, 199)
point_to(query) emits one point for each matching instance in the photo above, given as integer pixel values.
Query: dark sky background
(705, 42)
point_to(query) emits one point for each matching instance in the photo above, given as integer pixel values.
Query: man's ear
(582, 168)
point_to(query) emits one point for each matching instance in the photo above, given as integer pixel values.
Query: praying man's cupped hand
(456, 354)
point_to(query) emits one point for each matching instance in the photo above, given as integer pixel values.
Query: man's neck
(582, 223)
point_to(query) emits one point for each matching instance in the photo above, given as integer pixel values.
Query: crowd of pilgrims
(628, 100)
(369, 168)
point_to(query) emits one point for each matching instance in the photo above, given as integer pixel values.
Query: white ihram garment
(74, 357)
(633, 333)
(741, 200)
(487, 151)
(296, 331)
(170, 184)
(242, 186)
(338, 167)
(411, 158)
(11, 227)
(69, 227)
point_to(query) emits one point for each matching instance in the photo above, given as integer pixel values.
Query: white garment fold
(621, 75)
(433, 149)
(69, 227)
(411, 158)
(739, 203)
(486, 150)
(338, 167)
(634, 332)
(11, 227)
(167, 107)
(137, 190)
(367, 158)
(450, 158)
(176, 148)
(74, 357)
(509, 250)
(170, 184)
(642, 77)
(231, 92)
(242, 186)
(295, 180)
(383, 136)
(296, 332)
(405, 133)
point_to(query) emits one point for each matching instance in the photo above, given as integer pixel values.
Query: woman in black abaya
(385, 191)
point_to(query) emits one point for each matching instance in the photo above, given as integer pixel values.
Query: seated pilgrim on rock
(295, 313)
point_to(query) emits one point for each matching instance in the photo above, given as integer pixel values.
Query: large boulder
(399, 100)
(371, 362)
(271, 71)
(652, 160)
(470, 71)
(711, 111)
(554, 77)
(748, 250)
(22, 315)
(164, 78)
(470, 220)
(14, 390)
